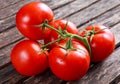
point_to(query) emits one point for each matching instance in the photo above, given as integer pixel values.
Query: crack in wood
(12, 42)
(116, 80)
(8, 28)
(117, 45)
(63, 5)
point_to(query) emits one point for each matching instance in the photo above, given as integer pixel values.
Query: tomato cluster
(67, 52)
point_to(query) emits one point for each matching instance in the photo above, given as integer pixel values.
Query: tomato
(71, 28)
(69, 64)
(28, 58)
(102, 43)
(30, 16)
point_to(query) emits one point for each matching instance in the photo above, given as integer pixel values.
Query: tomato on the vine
(64, 25)
(69, 64)
(101, 40)
(29, 18)
(28, 58)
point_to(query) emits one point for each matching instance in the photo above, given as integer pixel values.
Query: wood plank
(9, 75)
(45, 78)
(9, 37)
(54, 4)
(116, 31)
(6, 3)
(7, 23)
(74, 7)
(110, 18)
(93, 11)
(7, 15)
(12, 9)
(106, 71)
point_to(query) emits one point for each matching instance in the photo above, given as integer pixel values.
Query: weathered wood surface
(80, 12)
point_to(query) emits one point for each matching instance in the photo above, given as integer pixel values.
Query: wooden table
(80, 12)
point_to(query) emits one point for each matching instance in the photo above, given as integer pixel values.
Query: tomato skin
(103, 43)
(69, 65)
(28, 59)
(71, 28)
(31, 15)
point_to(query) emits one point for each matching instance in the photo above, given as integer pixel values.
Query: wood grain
(109, 19)
(9, 37)
(72, 8)
(9, 75)
(93, 11)
(6, 3)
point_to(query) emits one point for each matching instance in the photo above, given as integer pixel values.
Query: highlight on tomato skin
(28, 59)
(102, 43)
(69, 65)
(29, 18)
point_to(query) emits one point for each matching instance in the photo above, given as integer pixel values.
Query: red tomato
(71, 28)
(102, 44)
(30, 16)
(28, 59)
(69, 64)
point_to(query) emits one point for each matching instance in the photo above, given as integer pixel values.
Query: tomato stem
(77, 37)
(51, 27)
(87, 45)
(84, 40)
(65, 34)
(45, 45)
(69, 44)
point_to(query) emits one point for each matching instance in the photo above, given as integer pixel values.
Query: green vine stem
(87, 45)
(69, 44)
(84, 40)
(54, 41)
(66, 35)
(51, 27)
